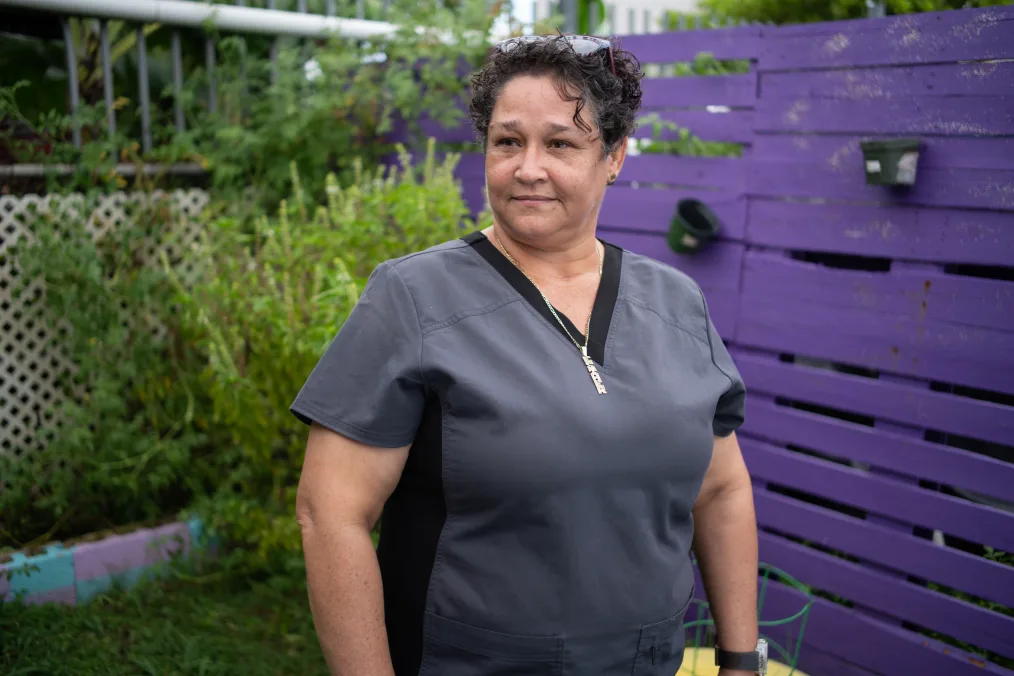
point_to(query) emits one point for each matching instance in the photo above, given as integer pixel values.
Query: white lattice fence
(31, 355)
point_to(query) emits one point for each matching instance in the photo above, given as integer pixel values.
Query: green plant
(804, 11)
(271, 299)
(122, 444)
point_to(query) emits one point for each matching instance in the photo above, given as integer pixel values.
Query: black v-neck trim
(605, 299)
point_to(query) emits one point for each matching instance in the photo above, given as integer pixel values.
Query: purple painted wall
(875, 330)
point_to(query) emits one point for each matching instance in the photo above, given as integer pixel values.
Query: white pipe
(225, 17)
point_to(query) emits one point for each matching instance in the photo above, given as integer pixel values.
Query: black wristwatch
(755, 661)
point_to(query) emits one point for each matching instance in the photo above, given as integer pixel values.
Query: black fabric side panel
(410, 529)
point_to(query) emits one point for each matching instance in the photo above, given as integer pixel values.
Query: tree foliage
(806, 11)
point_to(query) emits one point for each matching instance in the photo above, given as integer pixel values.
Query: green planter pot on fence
(692, 226)
(891, 162)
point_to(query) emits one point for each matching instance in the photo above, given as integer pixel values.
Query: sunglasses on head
(583, 45)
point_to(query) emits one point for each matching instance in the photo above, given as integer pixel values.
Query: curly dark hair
(584, 79)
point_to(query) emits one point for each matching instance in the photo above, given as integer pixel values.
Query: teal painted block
(89, 589)
(42, 573)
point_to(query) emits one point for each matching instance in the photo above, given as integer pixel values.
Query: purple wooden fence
(875, 331)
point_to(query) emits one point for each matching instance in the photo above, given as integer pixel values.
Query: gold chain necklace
(589, 363)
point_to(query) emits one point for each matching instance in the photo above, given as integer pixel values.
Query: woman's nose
(531, 167)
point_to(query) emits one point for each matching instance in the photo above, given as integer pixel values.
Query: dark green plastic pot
(692, 226)
(891, 162)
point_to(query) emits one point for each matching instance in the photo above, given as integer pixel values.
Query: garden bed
(78, 570)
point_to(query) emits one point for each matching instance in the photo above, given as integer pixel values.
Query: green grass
(168, 628)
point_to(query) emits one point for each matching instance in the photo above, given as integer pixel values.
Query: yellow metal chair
(701, 662)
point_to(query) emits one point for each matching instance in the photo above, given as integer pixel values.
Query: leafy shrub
(124, 443)
(270, 302)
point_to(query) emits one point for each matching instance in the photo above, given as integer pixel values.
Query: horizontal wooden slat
(461, 132)
(880, 448)
(889, 547)
(959, 116)
(725, 43)
(839, 152)
(814, 661)
(909, 39)
(982, 358)
(901, 232)
(885, 648)
(694, 92)
(921, 294)
(966, 188)
(711, 172)
(718, 267)
(953, 79)
(897, 598)
(650, 210)
(732, 127)
(883, 496)
(885, 400)
(470, 165)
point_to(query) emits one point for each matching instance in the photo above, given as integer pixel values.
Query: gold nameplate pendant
(592, 371)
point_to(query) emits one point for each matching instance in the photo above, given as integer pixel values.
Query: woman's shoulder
(444, 281)
(664, 290)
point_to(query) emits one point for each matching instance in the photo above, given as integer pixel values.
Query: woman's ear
(616, 158)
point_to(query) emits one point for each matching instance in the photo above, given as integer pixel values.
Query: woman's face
(545, 176)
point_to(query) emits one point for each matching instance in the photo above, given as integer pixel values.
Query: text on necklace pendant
(594, 373)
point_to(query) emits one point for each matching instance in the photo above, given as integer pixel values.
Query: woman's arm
(342, 490)
(725, 541)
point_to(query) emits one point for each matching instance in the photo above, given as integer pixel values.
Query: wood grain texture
(885, 546)
(920, 294)
(842, 151)
(886, 400)
(958, 188)
(975, 357)
(904, 82)
(880, 448)
(939, 37)
(900, 232)
(736, 126)
(900, 599)
(695, 92)
(724, 43)
(879, 495)
(709, 172)
(958, 116)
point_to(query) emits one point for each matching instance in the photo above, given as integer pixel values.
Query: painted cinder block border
(78, 573)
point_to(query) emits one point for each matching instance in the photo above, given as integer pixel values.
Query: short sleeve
(731, 408)
(368, 386)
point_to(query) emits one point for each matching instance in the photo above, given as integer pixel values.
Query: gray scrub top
(538, 527)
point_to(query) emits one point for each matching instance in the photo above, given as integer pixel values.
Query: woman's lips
(533, 200)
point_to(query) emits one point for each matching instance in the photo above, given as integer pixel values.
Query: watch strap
(749, 661)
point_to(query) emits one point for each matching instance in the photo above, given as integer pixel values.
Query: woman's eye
(559, 144)
(506, 142)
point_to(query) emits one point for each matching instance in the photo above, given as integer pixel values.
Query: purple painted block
(962, 355)
(651, 210)
(899, 599)
(64, 595)
(725, 43)
(474, 193)
(961, 116)
(818, 663)
(879, 544)
(120, 553)
(724, 173)
(842, 152)
(878, 646)
(919, 506)
(955, 79)
(975, 188)
(880, 448)
(923, 294)
(909, 39)
(918, 407)
(716, 268)
(945, 235)
(736, 126)
(739, 91)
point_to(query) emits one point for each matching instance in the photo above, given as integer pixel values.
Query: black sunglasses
(583, 45)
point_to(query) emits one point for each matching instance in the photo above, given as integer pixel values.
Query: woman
(546, 420)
